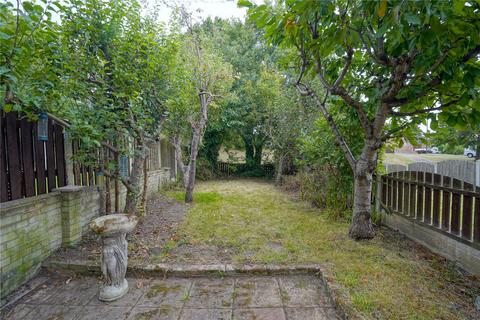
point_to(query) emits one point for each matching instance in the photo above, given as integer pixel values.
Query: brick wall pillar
(71, 217)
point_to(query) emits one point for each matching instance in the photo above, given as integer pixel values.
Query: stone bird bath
(113, 229)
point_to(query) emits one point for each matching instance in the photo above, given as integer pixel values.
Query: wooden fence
(231, 169)
(465, 170)
(446, 204)
(29, 166)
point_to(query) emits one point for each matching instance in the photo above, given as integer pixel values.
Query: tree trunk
(361, 226)
(133, 194)
(108, 197)
(278, 177)
(249, 152)
(192, 165)
(257, 159)
(145, 187)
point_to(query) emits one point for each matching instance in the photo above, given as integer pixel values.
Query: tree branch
(421, 111)
(306, 91)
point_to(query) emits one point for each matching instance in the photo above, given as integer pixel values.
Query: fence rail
(230, 169)
(446, 204)
(465, 170)
(29, 166)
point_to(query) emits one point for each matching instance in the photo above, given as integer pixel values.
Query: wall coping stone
(71, 188)
(9, 205)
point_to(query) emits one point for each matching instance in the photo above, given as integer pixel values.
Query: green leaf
(244, 3)
(412, 18)
(4, 36)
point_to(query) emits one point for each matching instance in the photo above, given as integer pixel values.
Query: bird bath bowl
(114, 259)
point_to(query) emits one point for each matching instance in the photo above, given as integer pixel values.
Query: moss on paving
(388, 277)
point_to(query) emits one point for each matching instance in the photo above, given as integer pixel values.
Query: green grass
(200, 197)
(385, 278)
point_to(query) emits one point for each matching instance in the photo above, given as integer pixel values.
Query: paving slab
(103, 313)
(211, 293)
(241, 297)
(259, 313)
(301, 291)
(257, 292)
(169, 293)
(162, 312)
(206, 314)
(53, 312)
(77, 292)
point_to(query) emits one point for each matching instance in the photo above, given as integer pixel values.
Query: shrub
(325, 187)
(204, 170)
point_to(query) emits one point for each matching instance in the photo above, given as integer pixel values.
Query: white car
(469, 152)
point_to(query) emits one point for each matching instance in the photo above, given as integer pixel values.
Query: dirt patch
(155, 234)
(154, 240)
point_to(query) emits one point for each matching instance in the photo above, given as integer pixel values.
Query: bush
(204, 170)
(325, 187)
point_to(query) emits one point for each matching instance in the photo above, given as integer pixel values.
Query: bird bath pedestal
(113, 229)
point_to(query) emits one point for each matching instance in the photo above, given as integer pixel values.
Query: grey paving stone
(169, 292)
(163, 313)
(259, 313)
(128, 300)
(206, 314)
(310, 313)
(257, 292)
(302, 291)
(18, 312)
(77, 292)
(42, 312)
(103, 313)
(211, 293)
(42, 293)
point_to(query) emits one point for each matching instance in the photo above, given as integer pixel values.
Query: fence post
(378, 198)
(67, 147)
(477, 172)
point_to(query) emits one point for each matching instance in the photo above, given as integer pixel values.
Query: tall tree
(391, 62)
(201, 77)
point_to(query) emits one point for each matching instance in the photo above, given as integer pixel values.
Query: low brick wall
(465, 254)
(33, 228)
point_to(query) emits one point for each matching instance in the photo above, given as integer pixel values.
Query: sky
(201, 8)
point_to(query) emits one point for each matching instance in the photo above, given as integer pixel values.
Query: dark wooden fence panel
(28, 163)
(445, 204)
(456, 206)
(437, 194)
(29, 166)
(467, 217)
(14, 171)
(3, 162)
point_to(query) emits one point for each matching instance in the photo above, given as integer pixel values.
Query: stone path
(244, 297)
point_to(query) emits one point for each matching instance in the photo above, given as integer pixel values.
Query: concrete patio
(244, 297)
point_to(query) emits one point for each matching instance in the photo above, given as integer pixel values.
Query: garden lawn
(389, 277)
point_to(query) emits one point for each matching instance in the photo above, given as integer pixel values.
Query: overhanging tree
(391, 62)
(115, 66)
